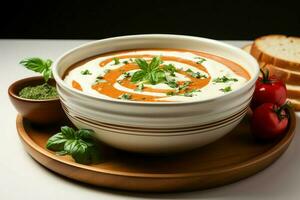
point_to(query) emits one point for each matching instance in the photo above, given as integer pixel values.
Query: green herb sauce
(39, 92)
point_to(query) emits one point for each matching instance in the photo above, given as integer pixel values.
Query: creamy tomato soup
(156, 75)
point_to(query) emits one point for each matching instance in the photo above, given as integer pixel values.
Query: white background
(23, 178)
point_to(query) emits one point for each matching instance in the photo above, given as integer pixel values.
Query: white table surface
(23, 178)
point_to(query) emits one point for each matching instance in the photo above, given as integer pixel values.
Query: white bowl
(150, 116)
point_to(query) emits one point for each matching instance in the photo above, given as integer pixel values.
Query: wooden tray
(232, 158)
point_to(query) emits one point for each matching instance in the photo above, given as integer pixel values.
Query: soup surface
(156, 75)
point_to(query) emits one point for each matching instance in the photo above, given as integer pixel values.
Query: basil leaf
(68, 132)
(142, 63)
(80, 153)
(84, 134)
(138, 76)
(56, 142)
(61, 153)
(79, 144)
(160, 76)
(39, 65)
(154, 64)
(47, 74)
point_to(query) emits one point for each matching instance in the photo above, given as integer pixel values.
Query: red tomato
(269, 121)
(268, 90)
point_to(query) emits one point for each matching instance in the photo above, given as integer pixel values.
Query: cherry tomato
(269, 121)
(268, 90)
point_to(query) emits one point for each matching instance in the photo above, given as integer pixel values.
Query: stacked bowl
(156, 127)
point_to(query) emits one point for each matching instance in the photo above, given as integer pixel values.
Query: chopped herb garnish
(171, 93)
(188, 94)
(116, 60)
(170, 68)
(195, 74)
(125, 62)
(125, 96)
(226, 89)
(199, 75)
(106, 71)
(86, 72)
(191, 93)
(184, 86)
(172, 83)
(99, 79)
(140, 87)
(201, 60)
(127, 75)
(224, 79)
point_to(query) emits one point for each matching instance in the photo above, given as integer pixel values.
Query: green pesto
(39, 92)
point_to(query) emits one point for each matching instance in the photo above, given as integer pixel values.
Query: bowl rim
(60, 81)
(27, 79)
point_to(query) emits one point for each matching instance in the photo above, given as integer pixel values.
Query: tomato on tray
(268, 90)
(269, 121)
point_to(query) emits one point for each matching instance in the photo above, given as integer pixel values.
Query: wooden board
(232, 158)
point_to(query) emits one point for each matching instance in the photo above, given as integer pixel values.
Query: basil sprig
(150, 72)
(79, 144)
(39, 65)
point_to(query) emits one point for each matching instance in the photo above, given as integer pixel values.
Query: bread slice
(293, 91)
(287, 76)
(279, 50)
(291, 78)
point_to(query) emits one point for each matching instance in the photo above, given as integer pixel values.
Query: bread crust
(295, 104)
(289, 77)
(293, 94)
(260, 55)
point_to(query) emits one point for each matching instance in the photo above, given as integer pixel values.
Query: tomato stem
(265, 78)
(279, 109)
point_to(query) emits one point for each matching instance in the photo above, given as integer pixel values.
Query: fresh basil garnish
(79, 144)
(39, 65)
(150, 72)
